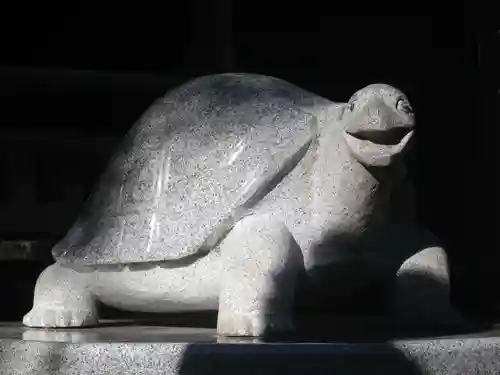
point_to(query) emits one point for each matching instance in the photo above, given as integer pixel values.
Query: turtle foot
(53, 317)
(421, 295)
(262, 262)
(62, 298)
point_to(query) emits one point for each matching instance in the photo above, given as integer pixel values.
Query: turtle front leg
(261, 263)
(421, 293)
(62, 299)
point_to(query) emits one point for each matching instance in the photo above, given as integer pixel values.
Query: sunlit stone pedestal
(126, 348)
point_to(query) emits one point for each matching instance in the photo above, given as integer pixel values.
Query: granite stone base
(121, 348)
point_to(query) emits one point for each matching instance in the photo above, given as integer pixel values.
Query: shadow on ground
(288, 359)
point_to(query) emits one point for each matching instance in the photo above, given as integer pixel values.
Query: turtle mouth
(389, 137)
(378, 148)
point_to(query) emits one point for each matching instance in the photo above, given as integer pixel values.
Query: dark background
(74, 79)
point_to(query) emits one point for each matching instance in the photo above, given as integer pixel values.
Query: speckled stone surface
(168, 350)
(240, 192)
(224, 146)
(196, 161)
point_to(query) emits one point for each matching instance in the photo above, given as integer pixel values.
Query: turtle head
(379, 124)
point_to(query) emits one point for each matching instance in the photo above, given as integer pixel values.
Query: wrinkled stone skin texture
(246, 194)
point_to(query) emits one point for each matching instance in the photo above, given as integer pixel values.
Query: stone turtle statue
(234, 191)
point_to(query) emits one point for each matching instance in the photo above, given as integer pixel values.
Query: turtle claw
(253, 324)
(54, 317)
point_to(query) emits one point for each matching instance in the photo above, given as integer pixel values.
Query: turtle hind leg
(62, 299)
(261, 263)
(421, 294)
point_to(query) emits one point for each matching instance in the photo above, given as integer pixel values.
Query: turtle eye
(403, 106)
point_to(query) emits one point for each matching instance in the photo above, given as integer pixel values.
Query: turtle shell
(197, 161)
